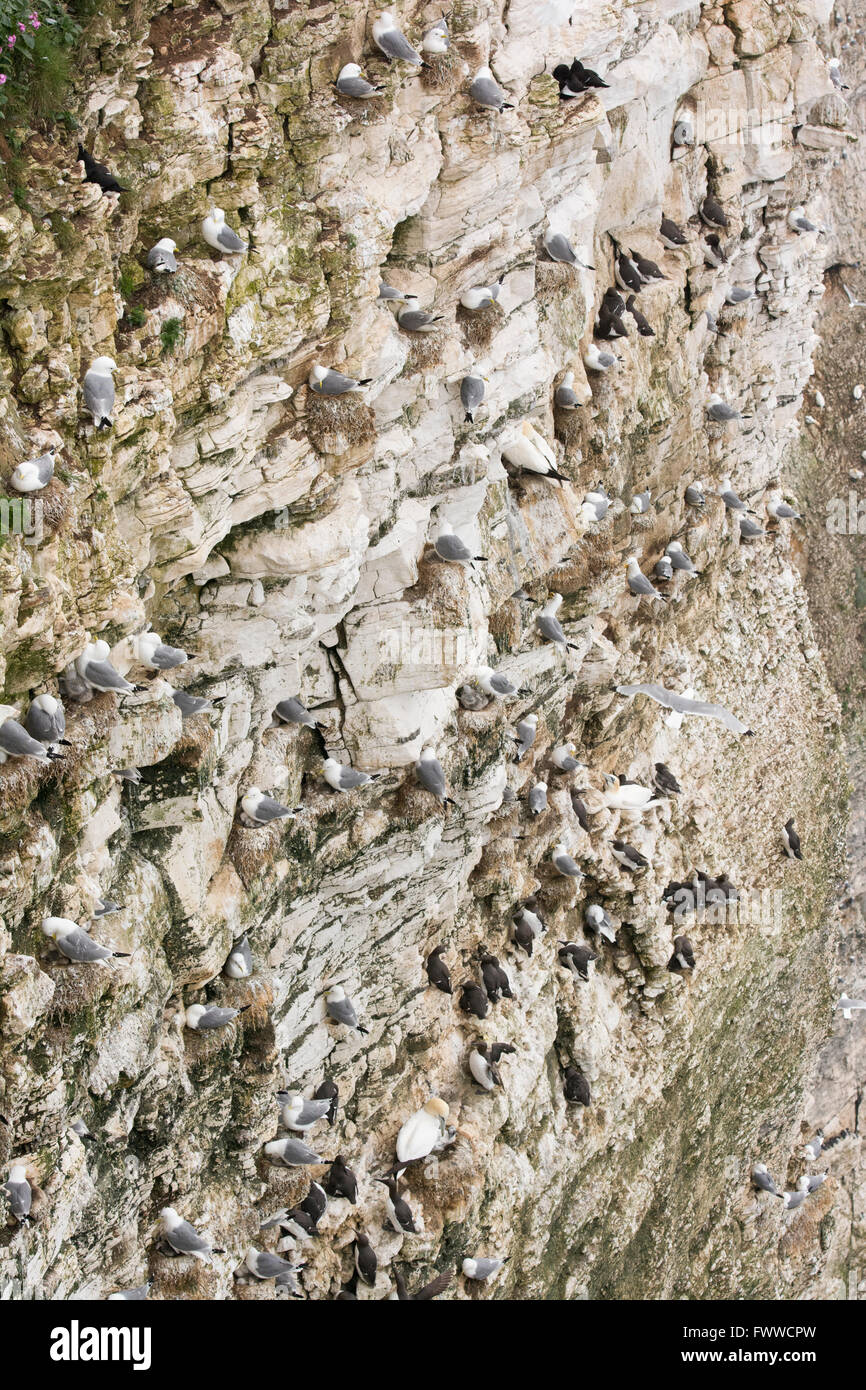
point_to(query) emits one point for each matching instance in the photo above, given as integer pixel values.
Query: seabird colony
(425, 1135)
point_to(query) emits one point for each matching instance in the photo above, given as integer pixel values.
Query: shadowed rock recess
(284, 540)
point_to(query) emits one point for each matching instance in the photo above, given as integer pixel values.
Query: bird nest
(426, 351)
(442, 72)
(479, 325)
(336, 424)
(551, 277)
(568, 427)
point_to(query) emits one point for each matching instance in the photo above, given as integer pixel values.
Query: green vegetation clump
(170, 335)
(35, 60)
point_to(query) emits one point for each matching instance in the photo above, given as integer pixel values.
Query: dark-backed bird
(97, 173)
(398, 1210)
(437, 971)
(576, 1086)
(665, 780)
(791, 840)
(473, 999)
(341, 1181)
(672, 236)
(683, 957)
(630, 858)
(496, 981)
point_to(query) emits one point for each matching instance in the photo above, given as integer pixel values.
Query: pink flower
(22, 28)
(12, 40)
(2, 78)
(35, 23)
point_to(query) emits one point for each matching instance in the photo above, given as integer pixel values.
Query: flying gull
(291, 711)
(681, 705)
(482, 1267)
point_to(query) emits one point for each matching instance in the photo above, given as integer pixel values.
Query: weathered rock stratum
(284, 540)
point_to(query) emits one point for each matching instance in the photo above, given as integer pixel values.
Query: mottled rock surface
(284, 541)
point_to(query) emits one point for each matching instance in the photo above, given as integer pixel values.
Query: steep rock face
(284, 539)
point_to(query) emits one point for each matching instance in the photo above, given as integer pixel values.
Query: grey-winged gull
(449, 546)
(428, 770)
(184, 1238)
(549, 625)
(261, 809)
(344, 778)
(74, 943)
(15, 742)
(638, 583)
(325, 381)
(482, 1267)
(472, 389)
(392, 42)
(681, 705)
(220, 236)
(204, 1018)
(351, 82)
(340, 1008)
(161, 258)
(98, 391)
(46, 720)
(34, 474)
(485, 92)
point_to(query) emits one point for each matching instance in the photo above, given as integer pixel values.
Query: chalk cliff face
(284, 540)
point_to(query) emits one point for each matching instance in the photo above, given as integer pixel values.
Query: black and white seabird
(527, 926)
(665, 780)
(398, 1209)
(549, 625)
(496, 981)
(586, 77)
(638, 584)
(791, 840)
(366, 1261)
(648, 271)
(484, 1063)
(437, 971)
(672, 236)
(328, 1091)
(576, 1086)
(473, 999)
(183, 1237)
(315, 1204)
(714, 251)
(580, 811)
(16, 742)
(714, 214)
(291, 711)
(257, 808)
(97, 173)
(683, 957)
(576, 958)
(627, 274)
(630, 858)
(644, 326)
(341, 1181)
(344, 778)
